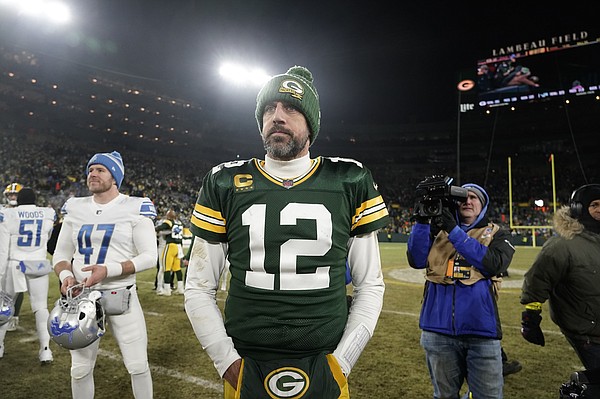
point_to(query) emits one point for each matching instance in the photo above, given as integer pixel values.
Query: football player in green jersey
(286, 225)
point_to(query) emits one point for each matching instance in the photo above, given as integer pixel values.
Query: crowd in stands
(55, 169)
(48, 131)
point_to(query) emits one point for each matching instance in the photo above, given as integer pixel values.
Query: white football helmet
(7, 307)
(76, 322)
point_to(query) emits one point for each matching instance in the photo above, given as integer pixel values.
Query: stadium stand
(51, 109)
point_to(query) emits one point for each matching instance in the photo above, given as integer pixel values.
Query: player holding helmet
(105, 239)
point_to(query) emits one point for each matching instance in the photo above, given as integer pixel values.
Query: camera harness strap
(445, 265)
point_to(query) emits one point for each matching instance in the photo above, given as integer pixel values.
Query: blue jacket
(456, 308)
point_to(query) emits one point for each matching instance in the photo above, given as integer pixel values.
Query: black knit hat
(589, 193)
(294, 87)
(580, 202)
(26, 196)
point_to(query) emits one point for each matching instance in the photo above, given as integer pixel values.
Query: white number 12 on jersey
(257, 277)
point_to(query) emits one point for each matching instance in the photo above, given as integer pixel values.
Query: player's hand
(67, 283)
(99, 273)
(530, 327)
(233, 372)
(445, 221)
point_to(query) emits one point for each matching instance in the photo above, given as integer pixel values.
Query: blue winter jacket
(458, 309)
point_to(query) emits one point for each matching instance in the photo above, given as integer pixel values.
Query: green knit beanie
(294, 87)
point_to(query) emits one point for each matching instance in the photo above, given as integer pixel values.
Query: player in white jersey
(109, 237)
(24, 267)
(10, 198)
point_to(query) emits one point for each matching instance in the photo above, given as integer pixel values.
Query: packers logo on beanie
(111, 161)
(294, 87)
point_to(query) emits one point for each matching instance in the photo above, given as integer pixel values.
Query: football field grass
(392, 365)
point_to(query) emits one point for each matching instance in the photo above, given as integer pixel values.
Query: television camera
(436, 192)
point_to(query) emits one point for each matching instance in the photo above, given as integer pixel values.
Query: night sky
(373, 63)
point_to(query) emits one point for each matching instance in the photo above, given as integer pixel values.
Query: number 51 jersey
(288, 243)
(28, 228)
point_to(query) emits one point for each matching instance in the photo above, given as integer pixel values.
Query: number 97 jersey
(287, 249)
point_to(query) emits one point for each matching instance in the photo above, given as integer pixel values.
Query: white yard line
(169, 373)
(32, 336)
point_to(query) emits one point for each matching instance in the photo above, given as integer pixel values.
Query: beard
(283, 149)
(99, 187)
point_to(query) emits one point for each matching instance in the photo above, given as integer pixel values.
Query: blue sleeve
(470, 249)
(147, 208)
(419, 244)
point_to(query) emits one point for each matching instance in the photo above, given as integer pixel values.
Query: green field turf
(392, 365)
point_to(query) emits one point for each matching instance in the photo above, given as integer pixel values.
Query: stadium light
(239, 74)
(55, 11)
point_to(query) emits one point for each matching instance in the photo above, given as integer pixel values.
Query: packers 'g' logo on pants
(313, 377)
(287, 382)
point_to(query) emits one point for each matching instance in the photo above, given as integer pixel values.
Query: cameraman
(463, 252)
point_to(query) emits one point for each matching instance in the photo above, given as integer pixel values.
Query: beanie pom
(301, 72)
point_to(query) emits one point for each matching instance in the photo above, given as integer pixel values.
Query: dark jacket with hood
(567, 272)
(462, 307)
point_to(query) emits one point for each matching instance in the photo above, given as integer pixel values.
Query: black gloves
(417, 217)
(421, 219)
(530, 327)
(446, 221)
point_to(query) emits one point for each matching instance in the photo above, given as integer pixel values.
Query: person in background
(170, 258)
(10, 197)
(161, 243)
(186, 244)
(511, 73)
(105, 239)
(463, 252)
(485, 78)
(10, 194)
(566, 272)
(51, 246)
(286, 224)
(24, 233)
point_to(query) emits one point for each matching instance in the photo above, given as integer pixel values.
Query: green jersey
(176, 231)
(287, 242)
